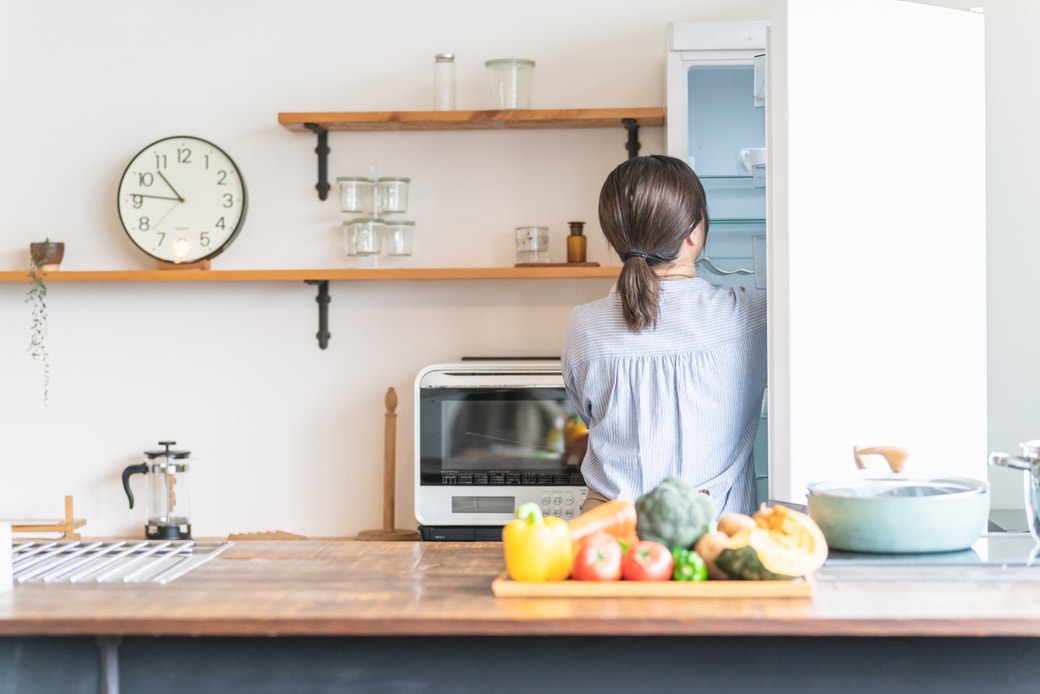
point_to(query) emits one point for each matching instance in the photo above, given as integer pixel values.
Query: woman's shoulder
(740, 295)
(718, 306)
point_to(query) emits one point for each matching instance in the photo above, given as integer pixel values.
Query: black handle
(131, 469)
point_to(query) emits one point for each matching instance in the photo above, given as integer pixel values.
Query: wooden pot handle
(894, 456)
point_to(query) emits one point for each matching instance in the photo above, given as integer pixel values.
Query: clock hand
(179, 198)
(172, 208)
(156, 197)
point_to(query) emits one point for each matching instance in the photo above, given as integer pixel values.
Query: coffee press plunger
(168, 493)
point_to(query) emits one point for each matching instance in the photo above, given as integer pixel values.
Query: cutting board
(504, 587)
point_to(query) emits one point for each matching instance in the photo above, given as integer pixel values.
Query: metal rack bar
(323, 159)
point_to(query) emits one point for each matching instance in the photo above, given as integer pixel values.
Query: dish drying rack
(121, 562)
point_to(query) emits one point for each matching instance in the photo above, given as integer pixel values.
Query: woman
(667, 371)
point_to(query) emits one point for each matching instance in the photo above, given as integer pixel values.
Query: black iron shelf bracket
(632, 126)
(323, 300)
(323, 159)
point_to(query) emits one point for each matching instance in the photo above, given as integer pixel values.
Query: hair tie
(635, 254)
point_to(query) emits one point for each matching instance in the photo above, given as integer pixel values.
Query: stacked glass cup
(372, 233)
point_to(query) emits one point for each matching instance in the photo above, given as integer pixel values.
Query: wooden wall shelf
(320, 123)
(324, 274)
(320, 278)
(520, 119)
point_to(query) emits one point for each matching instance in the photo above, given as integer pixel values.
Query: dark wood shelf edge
(518, 119)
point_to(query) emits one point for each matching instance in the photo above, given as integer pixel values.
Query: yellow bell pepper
(537, 548)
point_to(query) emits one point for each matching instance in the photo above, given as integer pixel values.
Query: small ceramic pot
(899, 514)
(48, 255)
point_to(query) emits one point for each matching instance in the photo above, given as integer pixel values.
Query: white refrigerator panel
(877, 234)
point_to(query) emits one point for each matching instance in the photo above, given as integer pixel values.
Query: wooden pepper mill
(387, 532)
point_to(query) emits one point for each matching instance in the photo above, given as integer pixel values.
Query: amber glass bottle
(576, 243)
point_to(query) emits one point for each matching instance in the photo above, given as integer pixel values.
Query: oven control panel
(562, 503)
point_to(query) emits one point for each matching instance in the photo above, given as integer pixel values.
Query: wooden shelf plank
(519, 119)
(334, 274)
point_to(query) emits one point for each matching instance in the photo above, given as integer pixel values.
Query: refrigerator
(842, 148)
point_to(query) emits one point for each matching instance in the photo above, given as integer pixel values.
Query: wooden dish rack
(66, 526)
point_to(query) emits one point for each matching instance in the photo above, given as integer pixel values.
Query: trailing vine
(36, 297)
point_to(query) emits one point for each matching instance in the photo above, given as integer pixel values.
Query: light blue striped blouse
(682, 399)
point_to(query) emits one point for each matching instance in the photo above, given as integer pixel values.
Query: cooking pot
(1030, 462)
(896, 513)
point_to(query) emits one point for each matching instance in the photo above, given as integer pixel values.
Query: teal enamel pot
(896, 513)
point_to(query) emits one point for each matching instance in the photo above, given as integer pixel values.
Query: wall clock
(182, 200)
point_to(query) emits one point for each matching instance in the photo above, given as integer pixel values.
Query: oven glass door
(510, 436)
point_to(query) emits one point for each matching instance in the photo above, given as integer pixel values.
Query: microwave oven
(489, 436)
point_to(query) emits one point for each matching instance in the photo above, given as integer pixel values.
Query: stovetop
(991, 549)
(995, 556)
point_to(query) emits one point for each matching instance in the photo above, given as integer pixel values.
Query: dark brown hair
(647, 207)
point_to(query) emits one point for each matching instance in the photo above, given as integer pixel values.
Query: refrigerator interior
(725, 119)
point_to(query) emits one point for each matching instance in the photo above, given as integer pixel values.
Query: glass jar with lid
(356, 194)
(363, 236)
(392, 194)
(398, 237)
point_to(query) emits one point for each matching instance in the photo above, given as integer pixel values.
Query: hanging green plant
(43, 257)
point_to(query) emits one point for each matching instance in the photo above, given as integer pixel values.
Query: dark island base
(489, 664)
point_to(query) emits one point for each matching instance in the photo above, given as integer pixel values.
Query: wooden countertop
(345, 588)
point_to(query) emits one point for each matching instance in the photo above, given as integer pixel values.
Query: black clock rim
(234, 232)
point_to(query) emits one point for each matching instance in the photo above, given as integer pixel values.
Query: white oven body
(489, 436)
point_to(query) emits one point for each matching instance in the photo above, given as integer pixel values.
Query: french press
(168, 493)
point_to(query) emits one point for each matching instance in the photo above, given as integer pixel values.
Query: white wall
(286, 435)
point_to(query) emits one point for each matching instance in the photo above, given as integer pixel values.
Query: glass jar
(392, 194)
(356, 194)
(398, 236)
(363, 236)
(509, 82)
(576, 243)
(532, 245)
(444, 82)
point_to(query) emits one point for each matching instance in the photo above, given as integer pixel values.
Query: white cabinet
(876, 235)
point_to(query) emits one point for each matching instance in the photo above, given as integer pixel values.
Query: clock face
(182, 199)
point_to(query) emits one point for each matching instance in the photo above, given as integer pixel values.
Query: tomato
(598, 558)
(647, 560)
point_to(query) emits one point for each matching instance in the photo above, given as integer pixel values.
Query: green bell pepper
(689, 566)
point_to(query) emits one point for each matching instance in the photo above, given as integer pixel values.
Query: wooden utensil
(387, 532)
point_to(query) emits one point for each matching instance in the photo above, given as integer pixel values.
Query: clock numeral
(222, 177)
(144, 223)
(136, 201)
(206, 159)
(204, 239)
(220, 224)
(160, 161)
(162, 237)
(145, 178)
(229, 200)
(183, 155)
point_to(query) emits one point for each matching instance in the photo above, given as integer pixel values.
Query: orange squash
(783, 544)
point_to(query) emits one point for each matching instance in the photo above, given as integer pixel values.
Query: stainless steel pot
(1030, 462)
(896, 513)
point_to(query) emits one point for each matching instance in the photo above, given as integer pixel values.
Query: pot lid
(870, 484)
(896, 487)
(167, 453)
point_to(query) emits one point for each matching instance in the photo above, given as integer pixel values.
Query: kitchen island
(316, 616)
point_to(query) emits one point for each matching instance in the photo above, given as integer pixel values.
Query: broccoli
(674, 514)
